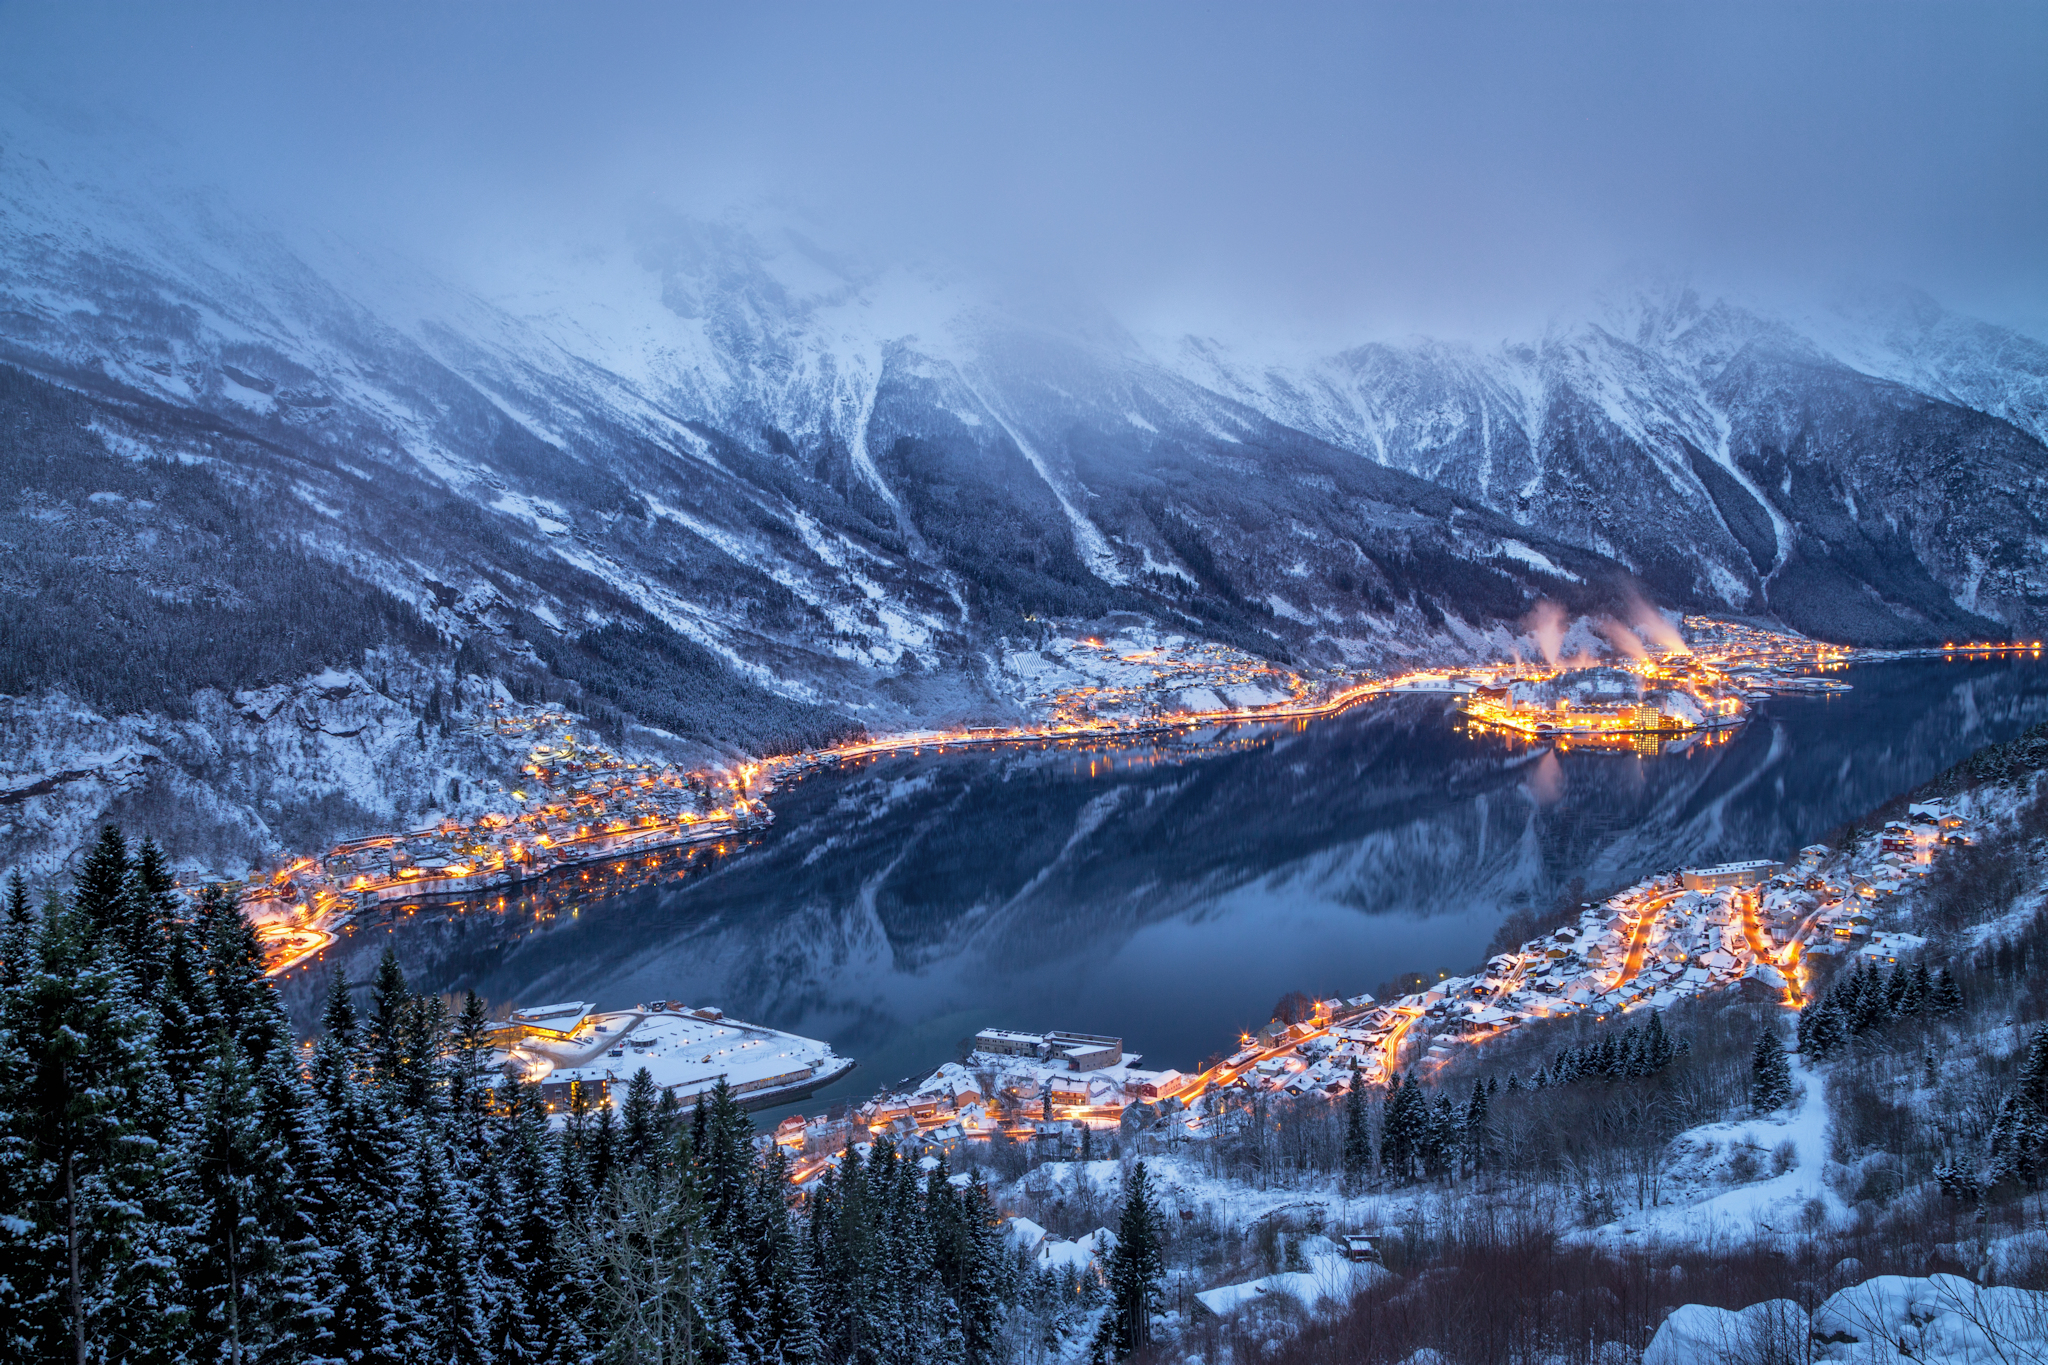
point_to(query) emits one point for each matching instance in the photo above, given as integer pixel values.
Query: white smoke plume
(1654, 628)
(1624, 640)
(1546, 623)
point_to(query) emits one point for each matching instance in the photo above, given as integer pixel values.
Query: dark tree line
(181, 1181)
(1863, 999)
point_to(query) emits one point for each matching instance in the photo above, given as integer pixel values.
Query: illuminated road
(1639, 943)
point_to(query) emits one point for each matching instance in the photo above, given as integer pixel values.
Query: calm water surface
(1171, 893)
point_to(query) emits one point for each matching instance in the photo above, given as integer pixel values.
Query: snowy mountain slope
(760, 513)
(1873, 485)
(728, 490)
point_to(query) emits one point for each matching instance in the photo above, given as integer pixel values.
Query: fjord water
(1170, 893)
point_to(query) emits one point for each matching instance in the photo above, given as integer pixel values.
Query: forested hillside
(182, 1181)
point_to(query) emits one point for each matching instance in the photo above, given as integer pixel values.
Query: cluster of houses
(581, 803)
(1139, 673)
(1741, 925)
(1828, 901)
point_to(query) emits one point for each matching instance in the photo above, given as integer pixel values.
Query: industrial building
(1727, 874)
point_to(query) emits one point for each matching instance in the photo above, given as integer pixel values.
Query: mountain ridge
(726, 491)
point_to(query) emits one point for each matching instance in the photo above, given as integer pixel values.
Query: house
(1361, 1246)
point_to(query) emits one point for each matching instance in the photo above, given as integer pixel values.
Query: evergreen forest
(183, 1181)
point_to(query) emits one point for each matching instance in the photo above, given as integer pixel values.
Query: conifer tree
(1659, 1049)
(1948, 996)
(99, 895)
(389, 1002)
(1440, 1137)
(246, 1261)
(242, 995)
(190, 1016)
(91, 1109)
(983, 1287)
(1404, 1128)
(1770, 1075)
(641, 1116)
(1920, 994)
(604, 1146)
(149, 909)
(1137, 1267)
(1357, 1130)
(19, 912)
(469, 1093)
(785, 1322)
(1476, 1130)
(439, 1269)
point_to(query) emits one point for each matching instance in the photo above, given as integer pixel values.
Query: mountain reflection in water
(1171, 892)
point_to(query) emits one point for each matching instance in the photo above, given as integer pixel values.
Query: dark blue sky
(1452, 166)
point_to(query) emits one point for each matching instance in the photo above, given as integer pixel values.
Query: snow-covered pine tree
(1440, 1138)
(441, 1279)
(20, 1238)
(243, 996)
(243, 1257)
(604, 1146)
(97, 1274)
(1920, 994)
(1405, 1121)
(987, 1283)
(530, 1157)
(1659, 1048)
(640, 1119)
(468, 1070)
(149, 910)
(388, 1030)
(1476, 1129)
(188, 1010)
(509, 1330)
(100, 892)
(787, 1327)
(1137, 1267)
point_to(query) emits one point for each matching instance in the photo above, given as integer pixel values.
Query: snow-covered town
(1750, 926)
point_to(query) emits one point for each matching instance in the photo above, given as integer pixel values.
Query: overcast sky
(1441, 167)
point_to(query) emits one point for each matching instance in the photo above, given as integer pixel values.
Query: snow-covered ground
(1697, 1201)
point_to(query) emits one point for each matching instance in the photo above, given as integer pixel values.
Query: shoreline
(300, 910)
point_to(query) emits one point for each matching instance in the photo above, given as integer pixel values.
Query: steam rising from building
(1621, 637)
(1546, 622)
(1651, 625)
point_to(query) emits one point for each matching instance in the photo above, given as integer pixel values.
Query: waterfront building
(1008, 1043)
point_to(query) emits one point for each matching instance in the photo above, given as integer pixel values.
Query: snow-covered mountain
(727, 489)
(1873, 475)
